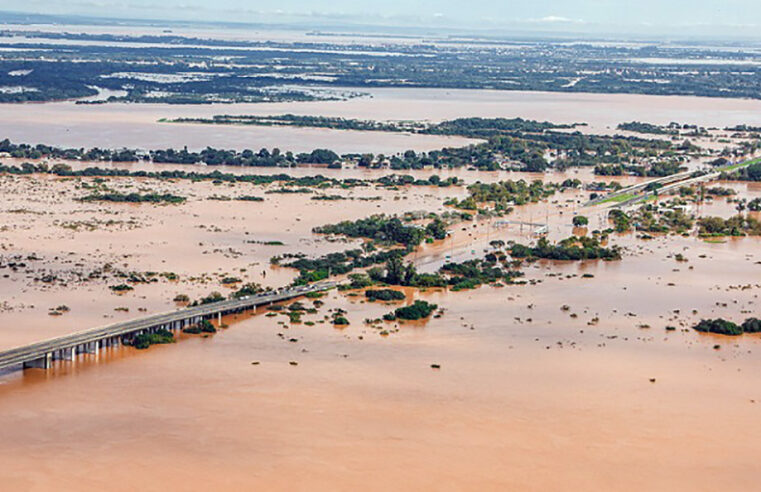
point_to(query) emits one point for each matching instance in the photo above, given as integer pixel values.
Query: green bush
(385, 295)
(580, 221)
(121, 288)
(720, 326)
(145, 340)
(752, 325)
(206, 326)
(572, 248)
(418, 310)
(133, 198)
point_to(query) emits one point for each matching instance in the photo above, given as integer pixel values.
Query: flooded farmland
(137, 125)
(575, 368)
(557, 347)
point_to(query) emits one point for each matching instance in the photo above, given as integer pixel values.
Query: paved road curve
(42, 353)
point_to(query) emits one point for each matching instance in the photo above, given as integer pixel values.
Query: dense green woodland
(187, 70)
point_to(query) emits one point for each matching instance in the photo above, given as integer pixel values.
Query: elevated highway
(637, 193)
(67, 347)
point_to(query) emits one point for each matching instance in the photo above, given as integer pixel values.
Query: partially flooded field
(547, 289)
(581, 377)
(137, 125)
(61, 242)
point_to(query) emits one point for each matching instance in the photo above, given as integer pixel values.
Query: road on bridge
(41, 353)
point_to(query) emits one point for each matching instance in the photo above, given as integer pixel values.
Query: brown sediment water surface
(128, 125)
(568, 382)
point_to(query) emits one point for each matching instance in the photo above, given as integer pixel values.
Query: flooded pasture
(127, 125)
(527, 395)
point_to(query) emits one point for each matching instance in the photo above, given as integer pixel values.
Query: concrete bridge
(636, 193)
(41, 354)
(639, 187)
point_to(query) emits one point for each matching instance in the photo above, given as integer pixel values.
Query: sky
(633, 16)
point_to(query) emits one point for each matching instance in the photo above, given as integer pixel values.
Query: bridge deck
(174, 319)
(669, 182)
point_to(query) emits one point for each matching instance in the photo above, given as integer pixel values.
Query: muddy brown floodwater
(528, 395)
(137, 125)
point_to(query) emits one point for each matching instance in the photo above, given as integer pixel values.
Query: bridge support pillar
(42, 363)
(91, 348)
(68, 353)
(219, 318)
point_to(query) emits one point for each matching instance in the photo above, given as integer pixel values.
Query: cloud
(557, 19)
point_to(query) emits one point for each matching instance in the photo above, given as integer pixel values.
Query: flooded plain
(587, 377)
(528, 395)
(137, 125)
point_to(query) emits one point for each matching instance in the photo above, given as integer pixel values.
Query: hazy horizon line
(558, 28)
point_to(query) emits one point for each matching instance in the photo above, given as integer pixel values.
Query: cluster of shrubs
(121, 288)
(134, 198)
(204, 326)
(385, 295)
(504, 194)
(377, 227)
(418, 310)
(339, 318)
(738, 225)
(725, 327)
(145, 340)
(313, 270)
(572, 248)
(472, 273)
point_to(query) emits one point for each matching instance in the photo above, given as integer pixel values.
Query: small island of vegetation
(721, 326)
(417, 311)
